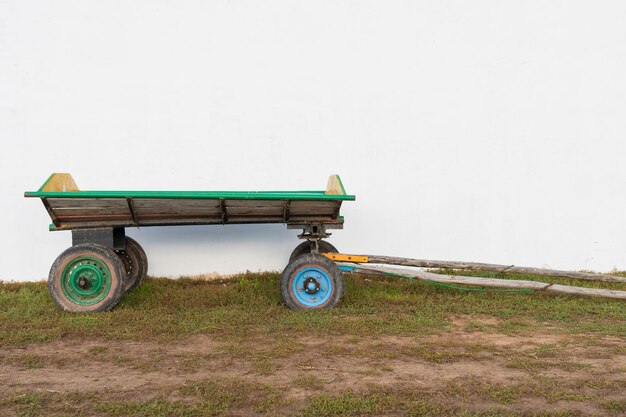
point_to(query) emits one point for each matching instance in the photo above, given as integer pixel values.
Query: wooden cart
(103, 262)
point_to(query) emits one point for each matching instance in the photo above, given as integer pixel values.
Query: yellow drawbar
(360, 259)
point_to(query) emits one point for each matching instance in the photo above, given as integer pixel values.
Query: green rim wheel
(86, 281)
(87, 278)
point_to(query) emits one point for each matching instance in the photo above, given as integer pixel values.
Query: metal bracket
(223, 210)
(286, 210)
(313, 232)
(131, 208)
(111, 237)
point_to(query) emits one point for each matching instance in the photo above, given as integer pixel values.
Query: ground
(193, 347)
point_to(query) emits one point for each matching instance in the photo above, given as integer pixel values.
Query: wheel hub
(83, 282)
(311, 286)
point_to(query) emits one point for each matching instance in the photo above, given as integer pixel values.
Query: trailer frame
(100, 248)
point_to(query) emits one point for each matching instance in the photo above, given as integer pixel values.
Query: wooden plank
(176, 204)
(174, 207)
(312, 213)
(598, 292)
(258, 211)
(475, 266)
(489, 282)
(232, 218)
(129, 223)
(313, 204)
(255, 203)
(180, 220)
(70, 211)
(205, 220)
(171, 212)
(95, 217)
(86, 202)
(305, 209)
(453, 279)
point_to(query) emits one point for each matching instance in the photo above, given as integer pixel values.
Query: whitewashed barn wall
(489, 131)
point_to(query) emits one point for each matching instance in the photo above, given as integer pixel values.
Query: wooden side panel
(151, 206)
(314, 208)
(261, 210)
(108, 210)
(151, 211)
(86, 203)
(163, 211)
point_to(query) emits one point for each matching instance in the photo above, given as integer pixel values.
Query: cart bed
(69, 208)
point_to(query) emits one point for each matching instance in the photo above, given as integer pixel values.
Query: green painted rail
(234, 195)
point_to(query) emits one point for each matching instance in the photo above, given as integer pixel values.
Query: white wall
(487, 130)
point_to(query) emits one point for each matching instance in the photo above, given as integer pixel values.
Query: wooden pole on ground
(477, 266)
(488, 282)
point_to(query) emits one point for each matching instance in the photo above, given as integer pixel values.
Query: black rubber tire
(305, 247)
(317, 261)
(135, 264)
(102, 253)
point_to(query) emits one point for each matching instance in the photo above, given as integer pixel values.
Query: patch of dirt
(339, 364)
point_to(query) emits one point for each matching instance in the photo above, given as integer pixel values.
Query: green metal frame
(234, 195)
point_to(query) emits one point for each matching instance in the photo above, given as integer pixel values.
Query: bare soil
(465, 368)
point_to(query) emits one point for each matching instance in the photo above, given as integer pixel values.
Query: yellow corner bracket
(341, 257)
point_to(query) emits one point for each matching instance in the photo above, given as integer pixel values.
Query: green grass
(167, 309)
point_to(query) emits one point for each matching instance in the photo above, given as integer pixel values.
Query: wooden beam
(453, 279)
(476, 266)
(487, 282)
(599, 292)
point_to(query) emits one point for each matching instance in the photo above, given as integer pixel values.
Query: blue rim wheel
(312, 286)
(311, 281)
